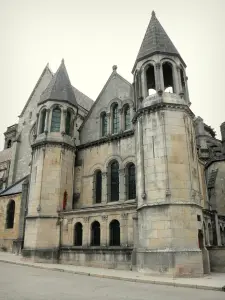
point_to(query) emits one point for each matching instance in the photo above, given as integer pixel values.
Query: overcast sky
(93, 35)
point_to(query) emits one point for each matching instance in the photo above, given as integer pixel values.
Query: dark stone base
(41, 255)
(170, 263)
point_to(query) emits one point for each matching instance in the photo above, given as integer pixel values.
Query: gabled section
(114, 75)
(59, 88)
(46, 70)
(156, 41)
(16, 188)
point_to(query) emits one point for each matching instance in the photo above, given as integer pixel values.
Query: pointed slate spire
(155, 41)
(60, 87)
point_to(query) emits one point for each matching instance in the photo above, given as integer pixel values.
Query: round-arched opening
(168, 77)
(95, 234)
(114, 229)
(78, 234)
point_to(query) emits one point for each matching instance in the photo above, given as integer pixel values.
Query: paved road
(27, 283)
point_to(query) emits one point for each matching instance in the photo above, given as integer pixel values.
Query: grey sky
(94, 35)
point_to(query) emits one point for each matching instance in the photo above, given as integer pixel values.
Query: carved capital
(143, 196)
(104, 174)
(86, 219)
(178, 68)
(104, 218)
(64, 111)
(37, 115)
(38, 208)
(124, 216)
(122, 171)
(158, 66)
(168, 193)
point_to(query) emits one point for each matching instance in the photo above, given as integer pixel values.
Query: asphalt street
(28, 283)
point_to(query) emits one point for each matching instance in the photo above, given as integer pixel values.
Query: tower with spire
(52, 166)
(168, 185)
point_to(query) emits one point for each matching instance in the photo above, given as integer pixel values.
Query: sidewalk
(214, 281)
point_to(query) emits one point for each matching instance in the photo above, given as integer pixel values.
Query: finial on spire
(153, 13)
(114, 68)
(62, 61)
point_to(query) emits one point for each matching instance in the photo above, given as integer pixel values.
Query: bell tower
(168, 187)
(52, 167)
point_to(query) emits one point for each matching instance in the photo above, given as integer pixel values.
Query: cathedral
(133, 180)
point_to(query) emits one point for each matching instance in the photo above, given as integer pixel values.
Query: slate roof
(60, 88)
(156, 40)
(16, 188)
(5, 155)
(83, 100)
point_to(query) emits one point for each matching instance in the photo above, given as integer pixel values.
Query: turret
(52, 167)
(167, 165)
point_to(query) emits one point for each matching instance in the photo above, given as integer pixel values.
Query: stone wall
(114, 258)
(7, 236)
(217, 259)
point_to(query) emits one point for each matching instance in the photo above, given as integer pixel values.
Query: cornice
(106, 139)
(162, 106)
(47, 143)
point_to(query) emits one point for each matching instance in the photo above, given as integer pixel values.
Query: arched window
(10, 214)
(56, 119)
(150, 80)
(9, 143)
(104, 124)
(127, 117)
(114, 181)
(131, 182)
(115, 119)
(42, 121)
(78, 234)
(68, 122)
(200, 239)
(98, 186)
(114, 230)
(168, 77)
(95, 234)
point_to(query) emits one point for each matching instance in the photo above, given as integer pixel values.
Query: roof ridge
(11, 186)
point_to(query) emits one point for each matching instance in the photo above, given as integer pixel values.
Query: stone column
(104, 232)
(217, 230)
(104, 188)
(122, 189)
(23, 210)
(186, 91)
(177, 86)
(135, 239)
(124, 230)
(38, 123)
(63, 121)
(161, 78)
(158, 83)
(144, 85)
(180, 88)
(46, 121)
(109, 129)
(121, 126)
(86, 232)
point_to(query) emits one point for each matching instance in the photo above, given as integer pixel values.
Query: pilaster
(124, 230)
(104, 188)
(122, 189)
(104, 231)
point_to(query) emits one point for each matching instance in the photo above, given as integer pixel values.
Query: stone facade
(132, 181)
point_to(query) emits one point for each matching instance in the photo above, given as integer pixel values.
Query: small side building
(12, 216)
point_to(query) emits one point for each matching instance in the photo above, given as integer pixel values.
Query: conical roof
(60, 87)
(155, 41)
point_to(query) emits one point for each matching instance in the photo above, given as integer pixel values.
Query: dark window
(114, 229)
(95, 234)
(56, 120)
(168, 77)
(115, 119)
(198, 217)
(150, 78)
(10, 214)
(114, 181)
(98, 187)
(68, 122)
(131, 181)
(127, 117)
(182, 80)
(78, 234)
(43, 117)
(200, 239)
(9, 144)
(104, 124)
